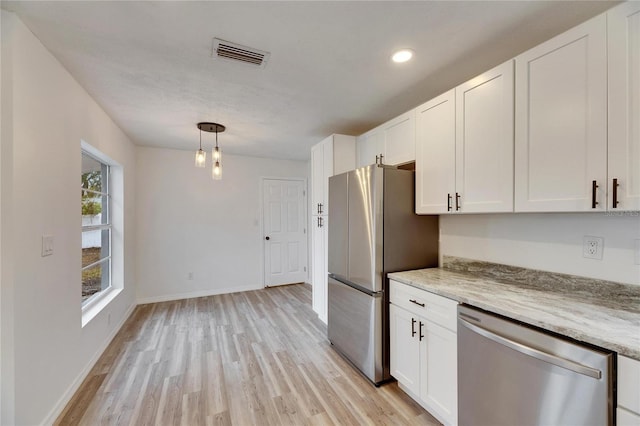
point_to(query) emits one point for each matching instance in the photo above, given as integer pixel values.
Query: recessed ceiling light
(402, 55)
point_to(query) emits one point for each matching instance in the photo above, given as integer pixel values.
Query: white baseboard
(66, 397)
(192, 294)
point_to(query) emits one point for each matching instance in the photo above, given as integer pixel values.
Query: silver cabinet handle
(534, 353)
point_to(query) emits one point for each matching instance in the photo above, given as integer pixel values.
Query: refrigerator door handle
(534, 353)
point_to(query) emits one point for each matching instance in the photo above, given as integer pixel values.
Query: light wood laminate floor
(252, 358)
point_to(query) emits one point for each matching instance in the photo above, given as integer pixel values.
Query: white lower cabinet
(628, 410)
(405, 362)
(439, 372)
(319, 265)
(626, 418)
(423, 349)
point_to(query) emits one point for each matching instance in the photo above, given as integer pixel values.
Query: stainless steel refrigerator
(373, 231)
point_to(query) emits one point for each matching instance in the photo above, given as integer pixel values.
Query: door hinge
(304, 193)
(305, 269)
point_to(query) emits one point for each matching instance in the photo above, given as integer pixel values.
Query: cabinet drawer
(432, 307)
(629, 384)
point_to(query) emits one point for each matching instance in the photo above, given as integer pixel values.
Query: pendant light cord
(200, 139)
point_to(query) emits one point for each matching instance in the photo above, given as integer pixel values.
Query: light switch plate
(47, 245)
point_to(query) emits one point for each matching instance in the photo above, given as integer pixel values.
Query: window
(96, 227)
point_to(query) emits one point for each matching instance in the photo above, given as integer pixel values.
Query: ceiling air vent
(236, 52)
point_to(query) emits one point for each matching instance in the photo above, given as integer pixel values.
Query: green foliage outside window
(92, 181)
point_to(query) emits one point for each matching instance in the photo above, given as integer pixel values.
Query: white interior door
(285, 240)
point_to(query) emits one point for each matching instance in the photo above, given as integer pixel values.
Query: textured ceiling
(149, 65)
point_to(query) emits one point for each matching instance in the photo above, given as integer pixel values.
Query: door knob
(267, 238)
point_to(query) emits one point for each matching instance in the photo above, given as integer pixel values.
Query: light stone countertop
(602, 313)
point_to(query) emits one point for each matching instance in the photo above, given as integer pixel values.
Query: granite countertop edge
(445, 282)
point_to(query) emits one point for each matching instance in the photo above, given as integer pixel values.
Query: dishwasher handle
(534, 353)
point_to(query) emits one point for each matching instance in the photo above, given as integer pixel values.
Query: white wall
(45, 116)
(186, 222)
(546, 241)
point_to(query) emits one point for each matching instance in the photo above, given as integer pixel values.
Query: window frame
(106, 225)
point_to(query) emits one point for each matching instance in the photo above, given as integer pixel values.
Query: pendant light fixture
(216, 153)
(201, 156)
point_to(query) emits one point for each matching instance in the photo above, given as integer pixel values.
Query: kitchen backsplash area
(552, 242)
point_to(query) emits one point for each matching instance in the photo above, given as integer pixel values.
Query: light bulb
(216, 172)
(216, 154)
(201, 158)
(402, 55)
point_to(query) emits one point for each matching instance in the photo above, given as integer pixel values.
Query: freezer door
(355, 328)
(365, 227)
(339, 229)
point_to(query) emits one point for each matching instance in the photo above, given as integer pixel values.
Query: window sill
(93, 308)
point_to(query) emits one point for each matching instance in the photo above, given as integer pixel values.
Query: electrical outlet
(592, 247)
(637, 252)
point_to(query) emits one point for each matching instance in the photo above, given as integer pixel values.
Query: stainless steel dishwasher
(512, 374)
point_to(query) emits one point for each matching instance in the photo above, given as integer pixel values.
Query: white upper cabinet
(343, 154)
(484, 142)
(464, 147)
(317, 178)
(370, 146)
(436, 154)
(623, 24)
(561, 122)
(392, 143)
(334, 155)
(400, 139)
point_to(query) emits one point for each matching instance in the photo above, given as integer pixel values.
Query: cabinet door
(484, 142)
(435, 155)
(344, 154)
(624, 106)
(363, 152)
(368, 146)
(626, 418)
(319, 266)
(404, 348)
(439, 373)
(317, 178)
(400, 139)
(629, 384)
(327, 164)
(561, 121)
